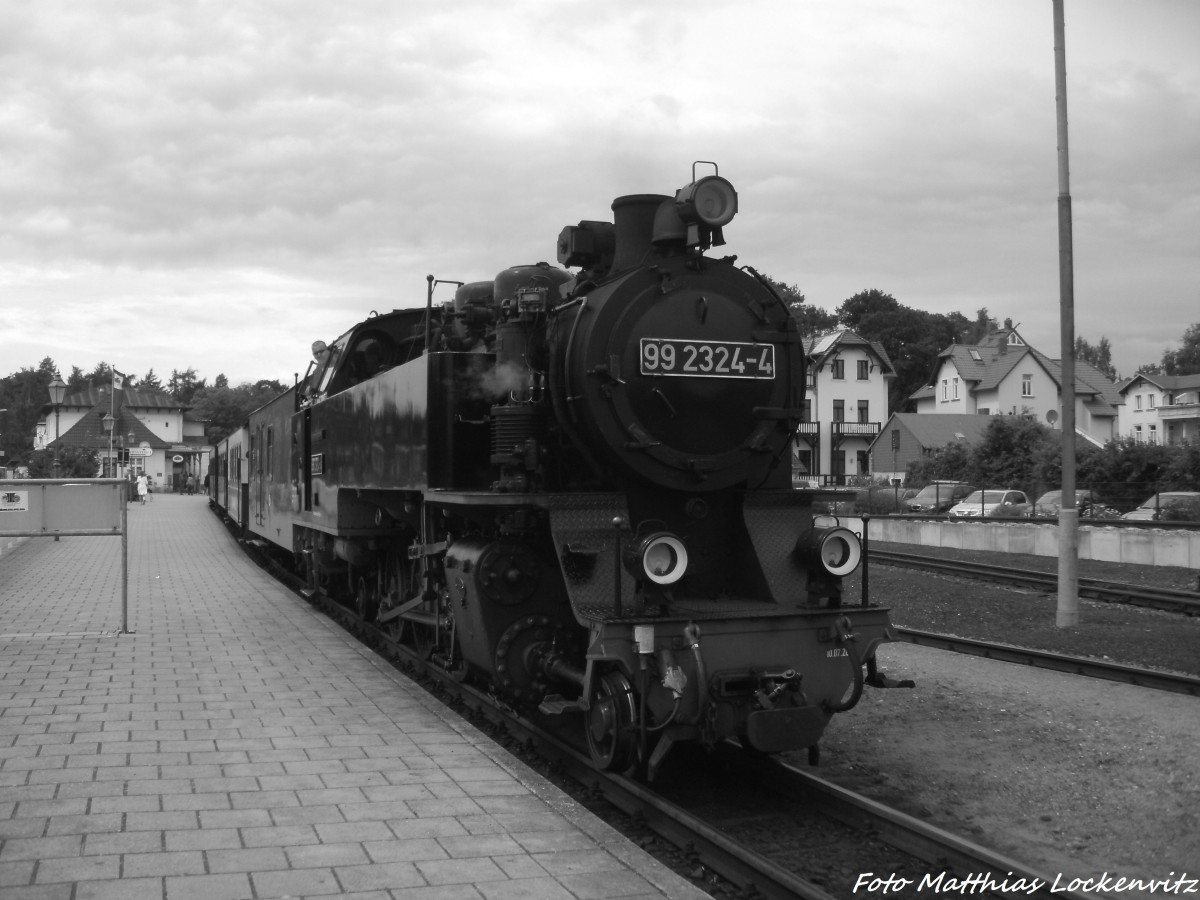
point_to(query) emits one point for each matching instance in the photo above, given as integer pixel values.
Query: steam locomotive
(576, 490)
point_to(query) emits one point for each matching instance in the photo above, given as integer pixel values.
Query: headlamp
(660, 557)
(711, 201)
(835, 549)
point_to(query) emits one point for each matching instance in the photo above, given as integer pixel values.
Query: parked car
(1050, 503)
(938, 496)
(1180, 506)
(990, 503)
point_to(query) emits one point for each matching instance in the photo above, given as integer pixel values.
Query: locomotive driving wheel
(366, 599)
(611, 735)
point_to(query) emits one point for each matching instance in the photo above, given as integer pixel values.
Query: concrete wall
(1147, 547)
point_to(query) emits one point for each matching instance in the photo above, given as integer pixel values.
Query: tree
(184, 385)
(810, 320)
(226, 408)
(980, 328)
(73, 462)
(1099, 356)
(150, 382)
(1185, 360)
(1014, 453)
(913, 338)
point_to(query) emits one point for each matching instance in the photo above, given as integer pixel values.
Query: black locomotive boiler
(575, 488)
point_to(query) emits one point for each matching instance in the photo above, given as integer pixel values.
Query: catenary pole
(1068, 516)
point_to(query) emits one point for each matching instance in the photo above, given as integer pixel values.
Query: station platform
(237, 744)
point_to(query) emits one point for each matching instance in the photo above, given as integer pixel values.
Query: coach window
(270, 451)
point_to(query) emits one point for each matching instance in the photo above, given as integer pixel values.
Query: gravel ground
(966, 608)
(1074, 776)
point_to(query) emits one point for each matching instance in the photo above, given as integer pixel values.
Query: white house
(1003, 375)
(845, 404)
(1161, 409)
(150, 431)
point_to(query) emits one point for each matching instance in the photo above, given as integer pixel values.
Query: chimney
(1008, 324)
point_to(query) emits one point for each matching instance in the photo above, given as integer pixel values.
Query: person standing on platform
(143, 487)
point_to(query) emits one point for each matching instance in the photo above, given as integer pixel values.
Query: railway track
(1185, 602)
(1041, 659)
(717, 860)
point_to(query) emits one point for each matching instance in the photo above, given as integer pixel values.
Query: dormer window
(975, 355)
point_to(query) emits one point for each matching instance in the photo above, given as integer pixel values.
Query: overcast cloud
(216, 185)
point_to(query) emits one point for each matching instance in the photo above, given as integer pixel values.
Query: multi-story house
(1002, 375)
(846, 402)
(132, 431)
(1161, 409)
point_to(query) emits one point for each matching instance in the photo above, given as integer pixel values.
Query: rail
(1185, 602)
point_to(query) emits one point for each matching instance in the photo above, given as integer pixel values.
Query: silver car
(1165, 507)
(988, 503)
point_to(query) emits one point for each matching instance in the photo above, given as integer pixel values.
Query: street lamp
(57, 391)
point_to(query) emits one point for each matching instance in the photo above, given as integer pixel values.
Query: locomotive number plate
(707, 359)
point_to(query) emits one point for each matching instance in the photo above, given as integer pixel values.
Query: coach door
(302, 448)
(257, 483)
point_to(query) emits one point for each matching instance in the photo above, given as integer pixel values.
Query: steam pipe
(691, 634)
(847, 638)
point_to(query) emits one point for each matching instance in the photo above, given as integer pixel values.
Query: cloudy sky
(215, 185)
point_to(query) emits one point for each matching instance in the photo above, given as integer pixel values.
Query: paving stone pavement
(237, 744)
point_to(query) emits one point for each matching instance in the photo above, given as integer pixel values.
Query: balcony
(1179, 411)
(867, 430)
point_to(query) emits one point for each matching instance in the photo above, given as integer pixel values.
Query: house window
(864, 370)
(864, 411)
(839, 410)
(1026, 385)
(864, 463)
(1150, 401)
(806, 416)
(1154, 434)
(1137, 402)
(955, 385)
(1137, 433)
(945, 390)
(839, 369)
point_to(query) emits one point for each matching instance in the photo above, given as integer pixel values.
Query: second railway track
(1185, 602)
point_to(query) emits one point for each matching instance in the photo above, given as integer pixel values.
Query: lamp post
(57, 391)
